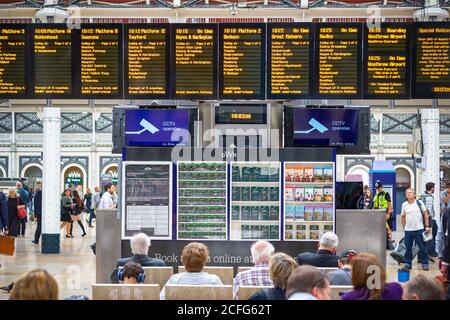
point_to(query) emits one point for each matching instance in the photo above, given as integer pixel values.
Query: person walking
(76, 212)
(25, 196)
(66, 211)
(87, 199)
(14, 203)
(428, 199)
(415, 221)
(38, 213)
(383, 200)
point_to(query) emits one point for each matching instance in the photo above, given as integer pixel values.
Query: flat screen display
(348, 194)
(239, 114)
(325, 127)
(156, 128)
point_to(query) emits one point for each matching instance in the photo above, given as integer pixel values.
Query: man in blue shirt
(343, 276)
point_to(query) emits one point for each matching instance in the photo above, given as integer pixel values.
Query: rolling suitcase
(398, 254)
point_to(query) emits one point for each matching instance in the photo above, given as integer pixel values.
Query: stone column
(51, 186)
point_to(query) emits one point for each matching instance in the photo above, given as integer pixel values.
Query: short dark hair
(304, 279)
(425, 288)
(447, 185)
(429, 186)
(108, 186)
(132, 270)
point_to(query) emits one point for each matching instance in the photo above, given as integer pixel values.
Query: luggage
(7, 245)
(398, 254)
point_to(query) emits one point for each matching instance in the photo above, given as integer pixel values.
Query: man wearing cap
(382, 200)
(343, 276)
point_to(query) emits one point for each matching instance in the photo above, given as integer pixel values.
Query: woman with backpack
(76, 212)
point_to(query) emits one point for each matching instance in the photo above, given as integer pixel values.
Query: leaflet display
(146, 207)
(431, 61)
(202, 201)
(387, 62)
(13, 61)
(146, 61)
(194, 61)
(101, 61)
(53, 70)
(338, 53)
(255, 201)
(242, 50)
(308, 200)
(289, 56)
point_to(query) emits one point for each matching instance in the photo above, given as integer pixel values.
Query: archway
(73, 174)
(403, 181)
(33, 173)
(112, 170)
(361, 170)
(2, 172)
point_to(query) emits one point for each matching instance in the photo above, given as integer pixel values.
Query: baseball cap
(378, 184)
(348, 254)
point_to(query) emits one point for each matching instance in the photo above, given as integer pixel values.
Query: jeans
(91, 216)
(431, 245)
(410, 237)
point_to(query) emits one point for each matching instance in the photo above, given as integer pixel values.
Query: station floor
(74, 267)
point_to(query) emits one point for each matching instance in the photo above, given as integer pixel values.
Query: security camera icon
(316, 125)
(147, 126)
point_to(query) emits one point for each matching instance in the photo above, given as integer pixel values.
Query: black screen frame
(238, 121)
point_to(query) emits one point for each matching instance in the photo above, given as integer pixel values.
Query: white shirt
(414, 220)
(106, 201)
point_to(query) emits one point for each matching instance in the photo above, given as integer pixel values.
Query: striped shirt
(256, 276)
(192, 278)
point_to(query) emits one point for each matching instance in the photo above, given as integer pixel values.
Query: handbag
(425, 236)
(22, 212)
(7, 245)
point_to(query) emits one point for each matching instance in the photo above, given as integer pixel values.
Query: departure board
(101, 61)
(431, 60)
(289, 48)
(12, 60)
(146, 61)
(52, 61)
(194, 61)
(386, 68)
(338, 61)
(242, 61)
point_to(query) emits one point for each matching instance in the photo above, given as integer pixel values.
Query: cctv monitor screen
(348, 194)
(325, 127)
(157, 127)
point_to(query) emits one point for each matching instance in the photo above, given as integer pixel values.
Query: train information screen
(194, 61)
(52, 61)
(146, 61)
(12, 60)
(431, 60)
(101, 61)
(242, 61)
(338, 60)
(386, 62)
(289, 48)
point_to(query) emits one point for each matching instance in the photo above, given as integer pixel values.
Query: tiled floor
(74, 267)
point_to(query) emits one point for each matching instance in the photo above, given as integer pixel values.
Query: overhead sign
(155, 127)
(325, 127)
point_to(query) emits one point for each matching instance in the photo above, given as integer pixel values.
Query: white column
(51, 186)
(94, 177)
(430, 138)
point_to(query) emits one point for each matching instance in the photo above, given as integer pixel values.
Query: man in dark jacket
(444, 229)
(325, 257)
(140, 244)
(38, 213)
(3, 213)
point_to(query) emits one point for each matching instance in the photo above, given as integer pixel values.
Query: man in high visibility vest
(382, 200)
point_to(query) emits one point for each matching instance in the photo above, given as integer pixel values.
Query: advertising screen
(325, 127)
(155, 127)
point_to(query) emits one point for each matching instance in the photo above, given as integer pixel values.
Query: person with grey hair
(139, 243)
(259, 275)
(325, 257)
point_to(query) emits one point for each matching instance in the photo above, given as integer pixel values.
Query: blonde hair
(281, 267)
(35, 285)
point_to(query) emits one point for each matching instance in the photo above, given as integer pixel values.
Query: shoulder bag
(22, 212)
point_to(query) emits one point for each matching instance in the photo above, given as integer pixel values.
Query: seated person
(132, 273)
(194, 258)
(281, 267)
(363, 267)
(35, 285)
(139, 243)
(259, 274)
(343, 276)
(325, 257)
(308, 283)
(423, 288)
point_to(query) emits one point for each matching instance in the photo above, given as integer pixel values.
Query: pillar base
(50, 243)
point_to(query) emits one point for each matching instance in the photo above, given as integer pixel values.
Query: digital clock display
(241, 114)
